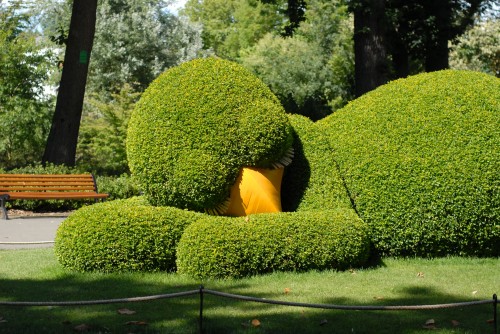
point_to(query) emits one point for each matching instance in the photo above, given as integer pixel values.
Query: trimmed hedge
(221, 247)
(421, 159)
(196, 125)
(312, 181)
(122, 235)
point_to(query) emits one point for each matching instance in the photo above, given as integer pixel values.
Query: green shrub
(221, 247)
(122, 235)
(196, 125)
(118, 187)
(312, 181)
(421, 159)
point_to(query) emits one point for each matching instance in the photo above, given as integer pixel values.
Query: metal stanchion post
(495, 302)
(200, 320)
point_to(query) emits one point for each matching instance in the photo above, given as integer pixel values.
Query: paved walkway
(29, 231)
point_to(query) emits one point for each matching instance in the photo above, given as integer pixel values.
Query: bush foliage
(221, 247)
(196, 125)
(421, 160)
(122, 235)
(312, 182)
(411, 167)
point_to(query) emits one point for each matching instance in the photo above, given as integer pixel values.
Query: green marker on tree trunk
(84, 57)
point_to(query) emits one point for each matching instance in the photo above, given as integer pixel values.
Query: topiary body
(421, 159)
(122, 235)
(221, 247)
(196, 125)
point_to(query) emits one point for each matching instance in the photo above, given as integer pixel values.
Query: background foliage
(101, 146)
(478, 49)
(25, 112)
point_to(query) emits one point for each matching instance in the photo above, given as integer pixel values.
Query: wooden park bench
(46, 187)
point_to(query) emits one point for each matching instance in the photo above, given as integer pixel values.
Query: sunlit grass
(35, 275)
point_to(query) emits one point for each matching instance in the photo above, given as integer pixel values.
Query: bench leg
(3, 199)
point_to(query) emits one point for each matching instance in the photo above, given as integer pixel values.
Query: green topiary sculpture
(194, 128)
(412, 167)
(421, 160)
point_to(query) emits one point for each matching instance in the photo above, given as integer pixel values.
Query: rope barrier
(252, 299)
(103, 301)
(201, 291)
(348, 307)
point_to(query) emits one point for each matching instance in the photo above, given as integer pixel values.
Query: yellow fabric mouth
(256, 190)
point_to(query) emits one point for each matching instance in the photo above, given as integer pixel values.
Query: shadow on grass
(221, 315)
(288, 319)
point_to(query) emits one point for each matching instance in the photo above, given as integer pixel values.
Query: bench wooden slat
(43, 184)
(42, 188)
(45, 176)
(56, 195)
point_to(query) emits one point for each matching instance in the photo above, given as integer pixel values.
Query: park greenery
(36, 275)
(408, 169)
(400, 183)
(310, 70)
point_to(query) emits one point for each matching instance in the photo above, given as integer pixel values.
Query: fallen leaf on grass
(125, 311)
(255, 323)
(420, 274)
(82, 328)
(455, 323)
(137, 323)
(287, 291)
(430, 324)
(490, 321)
(378, 298)
(474, 292)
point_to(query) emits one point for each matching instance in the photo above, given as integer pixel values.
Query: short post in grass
(200, 320)
(495, 302)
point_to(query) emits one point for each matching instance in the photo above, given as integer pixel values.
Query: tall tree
(63, 136)
(233, 25)
(370, 59)
(413, 35)
(135, 41)
(25, 108)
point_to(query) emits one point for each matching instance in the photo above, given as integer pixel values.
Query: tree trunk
(369, 45)
(63, 136)
(436, 48)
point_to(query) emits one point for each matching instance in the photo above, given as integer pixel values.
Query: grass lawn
(35, 275)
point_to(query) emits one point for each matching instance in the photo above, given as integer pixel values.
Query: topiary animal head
(194, 128)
